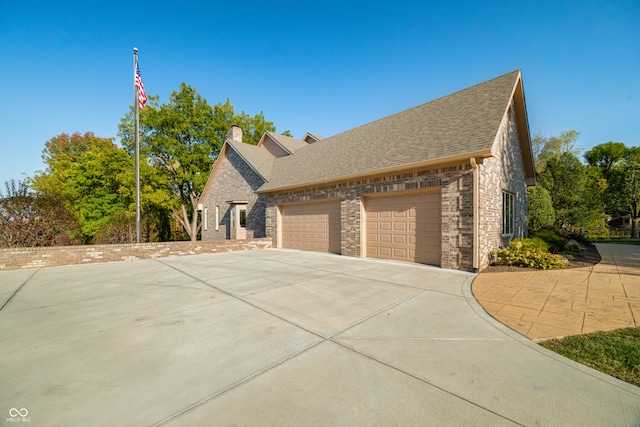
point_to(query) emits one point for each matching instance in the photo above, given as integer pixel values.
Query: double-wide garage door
(405, 228)
(312, 226)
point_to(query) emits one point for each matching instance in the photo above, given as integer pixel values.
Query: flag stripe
(142, 96)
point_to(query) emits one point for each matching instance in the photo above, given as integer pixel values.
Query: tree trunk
(190, 225)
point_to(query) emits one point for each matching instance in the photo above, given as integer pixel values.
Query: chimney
(235, 133)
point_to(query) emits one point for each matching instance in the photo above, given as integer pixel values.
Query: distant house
(620, 224)
(442, 183)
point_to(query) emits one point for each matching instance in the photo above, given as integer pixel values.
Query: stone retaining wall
(17, 258)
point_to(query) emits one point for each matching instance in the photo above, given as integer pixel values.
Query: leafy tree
(633, 154)
(605, 156)
(89, 173)
(30, 219)
(546, 147)
(540, 208)
(181, 140)
(575, 195)
(624, 191)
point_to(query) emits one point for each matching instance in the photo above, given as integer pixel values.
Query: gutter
(439, 162)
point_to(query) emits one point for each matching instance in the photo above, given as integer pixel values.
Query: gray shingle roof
(463, 122)
(259, 158)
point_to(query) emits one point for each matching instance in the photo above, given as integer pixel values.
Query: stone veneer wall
(454, 182)
(503, 172)
(234, 177)
(17, 258)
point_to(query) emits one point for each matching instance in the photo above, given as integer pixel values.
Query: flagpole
(137, 132)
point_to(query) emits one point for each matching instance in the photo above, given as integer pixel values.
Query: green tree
(88, 172)
(91, 174)
(544, 147)
(182, 139)
(624, 191)
(540, 208)
(576, 196)
(605, 156)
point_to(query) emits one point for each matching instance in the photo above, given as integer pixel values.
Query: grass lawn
(616, 353)
(620, 241)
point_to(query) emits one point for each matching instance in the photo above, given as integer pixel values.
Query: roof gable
(286, 143)
(259, 157)
(459, 125)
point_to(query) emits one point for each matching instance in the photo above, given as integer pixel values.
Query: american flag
(142, 97)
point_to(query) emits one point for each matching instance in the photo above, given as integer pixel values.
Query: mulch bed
(589, 258)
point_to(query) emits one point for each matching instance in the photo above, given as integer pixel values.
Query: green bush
(531, 252)
(573, 249)
(532, 244)
(583, 239)
(555, 238)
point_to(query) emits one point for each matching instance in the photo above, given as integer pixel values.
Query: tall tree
(540, 208)
(90, 173)
(624, 191)
(605, 156)
(181, 140)
(576, 195)
(546, 147)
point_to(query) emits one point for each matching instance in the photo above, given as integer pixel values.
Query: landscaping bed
(588, 258)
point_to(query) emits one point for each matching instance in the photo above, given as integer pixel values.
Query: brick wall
(455, 183)
(503, 172)
(234, 177)
(16, 258)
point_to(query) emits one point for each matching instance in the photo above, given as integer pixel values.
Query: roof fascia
(408, 166)
(522, 124)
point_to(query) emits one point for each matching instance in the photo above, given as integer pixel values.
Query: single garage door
(312, 226)
(404, 228)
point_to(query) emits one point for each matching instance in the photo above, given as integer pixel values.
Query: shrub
(531, 252)
(581, 238)
(573, 249)
(555, 238)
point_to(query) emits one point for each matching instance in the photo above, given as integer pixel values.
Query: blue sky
(323, 67)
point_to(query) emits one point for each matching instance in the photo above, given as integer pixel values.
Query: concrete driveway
(276, 337)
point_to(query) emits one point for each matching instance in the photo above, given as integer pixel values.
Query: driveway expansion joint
(6, 303)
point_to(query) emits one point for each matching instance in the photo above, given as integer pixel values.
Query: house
(443, 183)
(620, 224)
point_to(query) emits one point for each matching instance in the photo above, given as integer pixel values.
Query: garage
(312, 226)
(404, 228)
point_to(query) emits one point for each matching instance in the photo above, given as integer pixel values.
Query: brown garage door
(404, 228)
(312, 226)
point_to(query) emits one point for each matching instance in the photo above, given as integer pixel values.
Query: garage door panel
(385, 238)
(312, 226)
(384, 226)
(413, 232)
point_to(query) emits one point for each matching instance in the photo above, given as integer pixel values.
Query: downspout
(476, 213)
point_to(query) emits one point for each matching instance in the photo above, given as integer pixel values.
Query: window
(217, 217)
(205, 219)
(243, 218)
(507, 213)
(233, 218)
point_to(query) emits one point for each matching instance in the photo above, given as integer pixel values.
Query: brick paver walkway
(553, 303)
